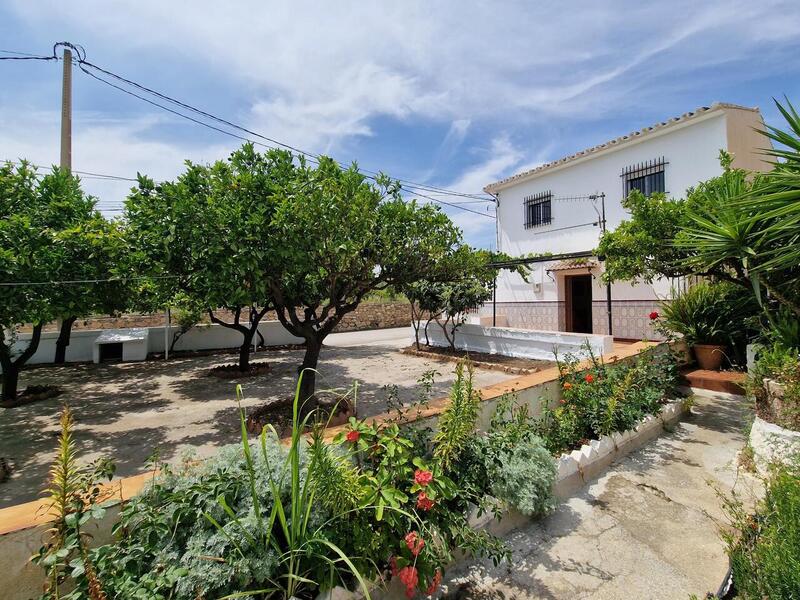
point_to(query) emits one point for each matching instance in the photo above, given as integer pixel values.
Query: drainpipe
(608, 285)
(494, 302)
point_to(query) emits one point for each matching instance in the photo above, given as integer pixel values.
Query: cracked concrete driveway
(647, 529)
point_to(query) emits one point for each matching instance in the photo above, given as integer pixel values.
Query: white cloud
(101, 145)
(319, 72)
(322, 76)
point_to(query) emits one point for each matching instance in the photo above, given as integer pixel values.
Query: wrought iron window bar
(538, 209)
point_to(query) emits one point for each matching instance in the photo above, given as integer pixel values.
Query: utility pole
(66, 112)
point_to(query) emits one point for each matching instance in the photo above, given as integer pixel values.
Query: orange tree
(203, 239)
(50, 233)
(337, 236)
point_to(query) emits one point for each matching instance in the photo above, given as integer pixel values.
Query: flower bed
(381, 501)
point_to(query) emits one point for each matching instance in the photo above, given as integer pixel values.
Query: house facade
(557, 209)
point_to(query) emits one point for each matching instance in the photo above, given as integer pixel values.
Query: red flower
(393, 566)
(562, 401)
(352, 436)
(414, 543)
(654, 315)
(423, 502)
(589, 378)
(410, 578)
(567, 386)
(437, 579)
(422, 477)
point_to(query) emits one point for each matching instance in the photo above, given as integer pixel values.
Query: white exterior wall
(200, 337)
(691, 150)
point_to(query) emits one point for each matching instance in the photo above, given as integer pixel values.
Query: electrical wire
(85, 67)
(83, 281)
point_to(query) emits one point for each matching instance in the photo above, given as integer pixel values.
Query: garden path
(648, 528)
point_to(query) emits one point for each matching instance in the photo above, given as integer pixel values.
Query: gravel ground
(126, 410)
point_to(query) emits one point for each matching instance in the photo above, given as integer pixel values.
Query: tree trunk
(11, 368)
(10, 383)
(308, 372)
(245, 348)
(63, 340)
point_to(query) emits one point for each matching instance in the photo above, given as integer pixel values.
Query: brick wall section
(369, 315)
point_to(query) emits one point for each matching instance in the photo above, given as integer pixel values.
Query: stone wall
(369, 315)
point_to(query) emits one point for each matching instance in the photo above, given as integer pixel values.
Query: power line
(83, 64)
(274, 141)
(83, 281)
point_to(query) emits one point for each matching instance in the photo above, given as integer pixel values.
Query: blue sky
(452, 94)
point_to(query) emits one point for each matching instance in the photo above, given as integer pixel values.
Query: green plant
(523, 476)
(708, 313)
(604, 399)
(457, 423)
(764, 548)
(74, 497)
(781, 364)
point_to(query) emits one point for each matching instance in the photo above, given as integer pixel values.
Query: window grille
(647, 177)
(538, 210)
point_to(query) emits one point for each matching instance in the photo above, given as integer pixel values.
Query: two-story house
(558, 208)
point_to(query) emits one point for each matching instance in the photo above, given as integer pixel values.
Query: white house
(557, 208)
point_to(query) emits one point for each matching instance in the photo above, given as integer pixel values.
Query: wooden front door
(578, 296)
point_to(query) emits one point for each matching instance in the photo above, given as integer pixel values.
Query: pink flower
(423, 502)
(393, 566)
(414, 543)
(410, 578)
(422, 477)
(437, 579)
(654, 315)
(352, 436)
(589, 378)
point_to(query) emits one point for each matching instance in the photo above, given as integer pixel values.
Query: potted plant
(708, 316)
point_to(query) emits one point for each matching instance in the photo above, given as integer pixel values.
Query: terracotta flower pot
(709, 356)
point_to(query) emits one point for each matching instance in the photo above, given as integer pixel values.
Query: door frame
(568, 281)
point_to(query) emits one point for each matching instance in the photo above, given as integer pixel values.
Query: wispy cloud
(504, 81)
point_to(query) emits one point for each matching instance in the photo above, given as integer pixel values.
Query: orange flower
(567, 386)
(437, 579)
(414, 543)
(423, 502)
(422, 477)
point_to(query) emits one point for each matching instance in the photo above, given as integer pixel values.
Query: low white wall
(522, 343)
(200, 337)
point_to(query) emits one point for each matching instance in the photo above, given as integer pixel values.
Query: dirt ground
(126, 410)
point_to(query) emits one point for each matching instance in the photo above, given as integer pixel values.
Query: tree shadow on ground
(125, 410)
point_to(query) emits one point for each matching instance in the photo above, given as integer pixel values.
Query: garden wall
(22, 526)
(200, 337)
(521, 343)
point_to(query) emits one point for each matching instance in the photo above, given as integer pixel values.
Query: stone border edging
(481, 364)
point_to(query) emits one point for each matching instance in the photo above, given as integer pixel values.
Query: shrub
(709, 313)
(606, 398)
(523, 476)
(510, 462)
(765, 549)
(781, 364)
